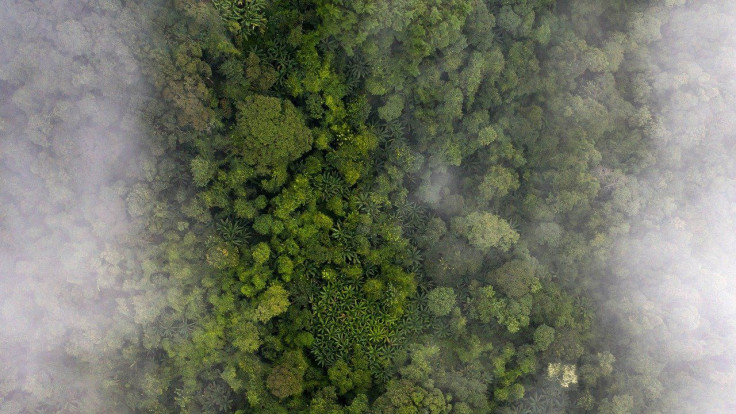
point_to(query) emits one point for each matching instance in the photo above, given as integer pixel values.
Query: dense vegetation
(347, 206)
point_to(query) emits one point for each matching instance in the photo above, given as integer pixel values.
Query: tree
(486, 304)
(405, 397)
(245, 336)
(485, 230)
(392, 109)
(441, 300)
(284, 381)
(273, 302)
(543, 337)
(270, 132)
(261, 253)
(222, 256)
(619, 404)
(202, 171)
(287, 377)
(340, 376)
(515, 279)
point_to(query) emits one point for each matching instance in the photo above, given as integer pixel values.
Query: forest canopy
(358, 207)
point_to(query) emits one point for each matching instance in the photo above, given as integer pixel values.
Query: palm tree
(215, 398)
(233, 231)
(358, 68)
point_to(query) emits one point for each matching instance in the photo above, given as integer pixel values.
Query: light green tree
(270, 132)
(485, 230)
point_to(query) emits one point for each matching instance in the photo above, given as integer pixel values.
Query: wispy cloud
(68, 89)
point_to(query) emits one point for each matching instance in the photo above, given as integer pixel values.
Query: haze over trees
(327, 206)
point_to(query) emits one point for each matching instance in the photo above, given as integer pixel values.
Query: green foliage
(298, 168)
(515, 279)
(441, 301)
(485, 230)
(242, 14)
(269, 132)
(261, 253)
(215, 398)
(263, 223)
(284, 381)
(222, 256)
(485, 305)
(403, 396)
(392, 109)
(543, 337)
(202, 171)
(233, 231)
(273, 302)
(346, 379)
(349, 325)
(246, 336)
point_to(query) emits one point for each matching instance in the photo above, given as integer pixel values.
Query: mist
(673, 277)
(70, 93)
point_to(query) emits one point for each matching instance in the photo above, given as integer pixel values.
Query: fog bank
(673, 291)
(69, 99)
